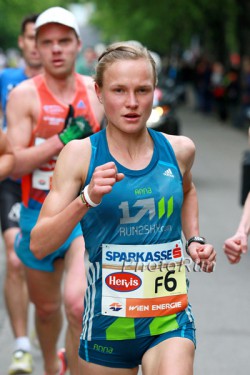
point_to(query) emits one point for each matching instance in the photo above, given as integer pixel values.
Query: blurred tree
(243, 27)
(222, 26)
(13, 11)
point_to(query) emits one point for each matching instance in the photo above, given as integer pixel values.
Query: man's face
(27, 44)
(58, 46)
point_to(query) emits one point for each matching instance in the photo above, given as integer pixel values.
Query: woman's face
(127, 94)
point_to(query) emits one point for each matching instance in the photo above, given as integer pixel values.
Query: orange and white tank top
(51, 120)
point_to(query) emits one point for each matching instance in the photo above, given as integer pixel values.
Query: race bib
(143, 280)
(42, 177)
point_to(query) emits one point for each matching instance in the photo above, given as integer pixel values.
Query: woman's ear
(98, 92)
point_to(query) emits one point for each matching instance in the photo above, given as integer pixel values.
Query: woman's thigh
(86, 368)
(174, 356)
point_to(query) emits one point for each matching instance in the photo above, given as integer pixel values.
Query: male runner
(50, 110)
(6, 156)
(15, 288)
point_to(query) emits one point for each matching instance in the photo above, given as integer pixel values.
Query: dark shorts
(10, 199)
(128, 353)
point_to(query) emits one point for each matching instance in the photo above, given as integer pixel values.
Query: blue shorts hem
(129, 353)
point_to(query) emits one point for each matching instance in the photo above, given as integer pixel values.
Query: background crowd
(218, 89)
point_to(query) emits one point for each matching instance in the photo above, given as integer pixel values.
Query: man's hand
(235, 246)
(77, 128)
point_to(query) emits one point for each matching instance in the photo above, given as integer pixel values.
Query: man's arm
(238, 243)
(7, 158)
(22, 112)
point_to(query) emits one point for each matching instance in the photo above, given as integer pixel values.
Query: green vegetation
(221, 26)
(13, 11)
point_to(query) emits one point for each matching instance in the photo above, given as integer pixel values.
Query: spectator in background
(202, 84)
(15, 288)
(218, 90)
(245, 97)
(233, 90)
(86, 61)
(3, 60)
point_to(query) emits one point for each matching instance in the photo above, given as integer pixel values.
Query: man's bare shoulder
(88, 81)
(26, 88)
(23, 102)
(94, 102)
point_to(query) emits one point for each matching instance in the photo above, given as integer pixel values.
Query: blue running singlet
(136, 282)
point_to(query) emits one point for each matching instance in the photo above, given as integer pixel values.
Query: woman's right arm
(63, 207)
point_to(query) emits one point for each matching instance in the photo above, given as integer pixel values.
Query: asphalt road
(220, 300)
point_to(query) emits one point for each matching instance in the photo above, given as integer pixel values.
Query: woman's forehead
(129, 67)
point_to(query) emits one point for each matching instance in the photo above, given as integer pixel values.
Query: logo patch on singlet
(115, 306)
(81, 104)
(168, 173)
(52, 109)
(123, 281)
(143, 280)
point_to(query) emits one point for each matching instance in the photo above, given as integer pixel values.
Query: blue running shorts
(128, 353)
(28, 219)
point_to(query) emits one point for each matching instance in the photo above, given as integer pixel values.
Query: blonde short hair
(122, 51)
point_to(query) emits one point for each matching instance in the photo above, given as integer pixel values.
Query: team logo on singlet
(53, 109)
(168, 172)
(123, 281)
(146, 207)
(115, 306)
(81, 104)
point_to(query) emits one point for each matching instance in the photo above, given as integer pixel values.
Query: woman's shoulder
(180, 142)
(184, 149)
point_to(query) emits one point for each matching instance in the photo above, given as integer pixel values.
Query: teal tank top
(142, 209)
